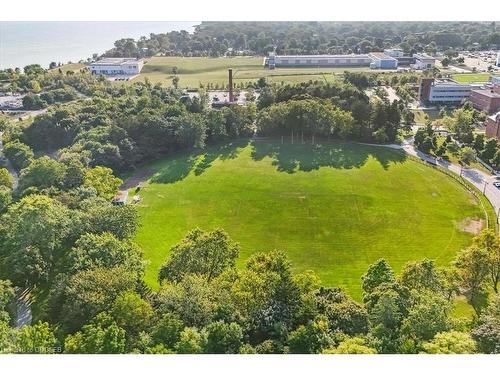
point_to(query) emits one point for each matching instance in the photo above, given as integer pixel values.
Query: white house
(117, 66)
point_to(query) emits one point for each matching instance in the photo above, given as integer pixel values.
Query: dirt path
(23, 308)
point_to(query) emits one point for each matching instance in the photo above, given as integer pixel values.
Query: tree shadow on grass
(308, 157)
(179, 167)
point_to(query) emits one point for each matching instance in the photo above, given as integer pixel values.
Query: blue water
(23, 43)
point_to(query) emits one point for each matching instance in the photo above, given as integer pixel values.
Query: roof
(423, 56)
(115, 61)
(487, 92)
(323, 56)
(381, 56)
(495, 116)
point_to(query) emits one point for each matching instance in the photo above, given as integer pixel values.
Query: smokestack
(231, 98)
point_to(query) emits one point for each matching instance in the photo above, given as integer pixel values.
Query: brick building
(493, 126)
(487, 100)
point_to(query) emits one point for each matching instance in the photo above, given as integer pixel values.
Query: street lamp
(484, 189)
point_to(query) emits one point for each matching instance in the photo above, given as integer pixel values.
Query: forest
(227, 38)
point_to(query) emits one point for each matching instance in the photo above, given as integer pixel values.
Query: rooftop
(381, 55)
(423, 56)
(115, 61)
(323, 56)
(487, 92)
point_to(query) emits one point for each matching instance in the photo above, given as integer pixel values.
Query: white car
(497, 184)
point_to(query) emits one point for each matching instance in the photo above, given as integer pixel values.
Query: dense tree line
(205, 304)
(327, 109)
(226, 38)
(122, 127)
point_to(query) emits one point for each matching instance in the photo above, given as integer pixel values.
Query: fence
(469, 187)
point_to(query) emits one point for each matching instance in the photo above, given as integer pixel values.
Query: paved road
(480, 179)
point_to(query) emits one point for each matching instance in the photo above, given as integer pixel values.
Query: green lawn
(471, 77)
(193, 71)
(334, 208)
(420, 115)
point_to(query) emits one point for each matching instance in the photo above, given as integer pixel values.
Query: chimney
(231, 98)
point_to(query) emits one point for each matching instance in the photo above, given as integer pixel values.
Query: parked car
(497, 184)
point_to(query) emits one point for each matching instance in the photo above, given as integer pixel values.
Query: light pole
(484, 189)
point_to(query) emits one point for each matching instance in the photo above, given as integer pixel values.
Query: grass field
(420, 118)
(334, 208)
(193, 71)
(472, 77)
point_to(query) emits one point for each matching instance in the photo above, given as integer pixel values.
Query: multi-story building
(423, 61)
(493, 126)
(486, 99)
(381, 60)
(443, 90)
(117, 66)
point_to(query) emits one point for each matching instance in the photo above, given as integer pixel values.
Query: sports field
(334, 208)
(193, 71)
(472, 77)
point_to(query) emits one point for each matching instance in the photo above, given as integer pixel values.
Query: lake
(23, 43)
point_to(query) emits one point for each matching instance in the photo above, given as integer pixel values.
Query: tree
(32, 232)
(206, 254)
(378, 273)
(471, 266)
(32, 101)
(487, 332)
(421, 275)
(5, 198)
(312, 338)
(103, 181)
(38, 338)
(451, 342)
(7, 293)
(132, 313)
(490, 148)
(42, 173)
(463, 125)
(167, 331)
(101, 336)
(104, 251)
(223, 338)
(352, 345)
(5, 178)
(490, 242)
(19, 154)
(427, 317)
(191, 342)
(87, 293)
(467, 155)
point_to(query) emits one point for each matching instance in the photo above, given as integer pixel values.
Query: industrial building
(381, 60)
(117, 66)
(423, 61)
(443, 90)
(274, 61)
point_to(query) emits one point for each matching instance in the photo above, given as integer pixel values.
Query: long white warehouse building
(117, 66)
(316, 60)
